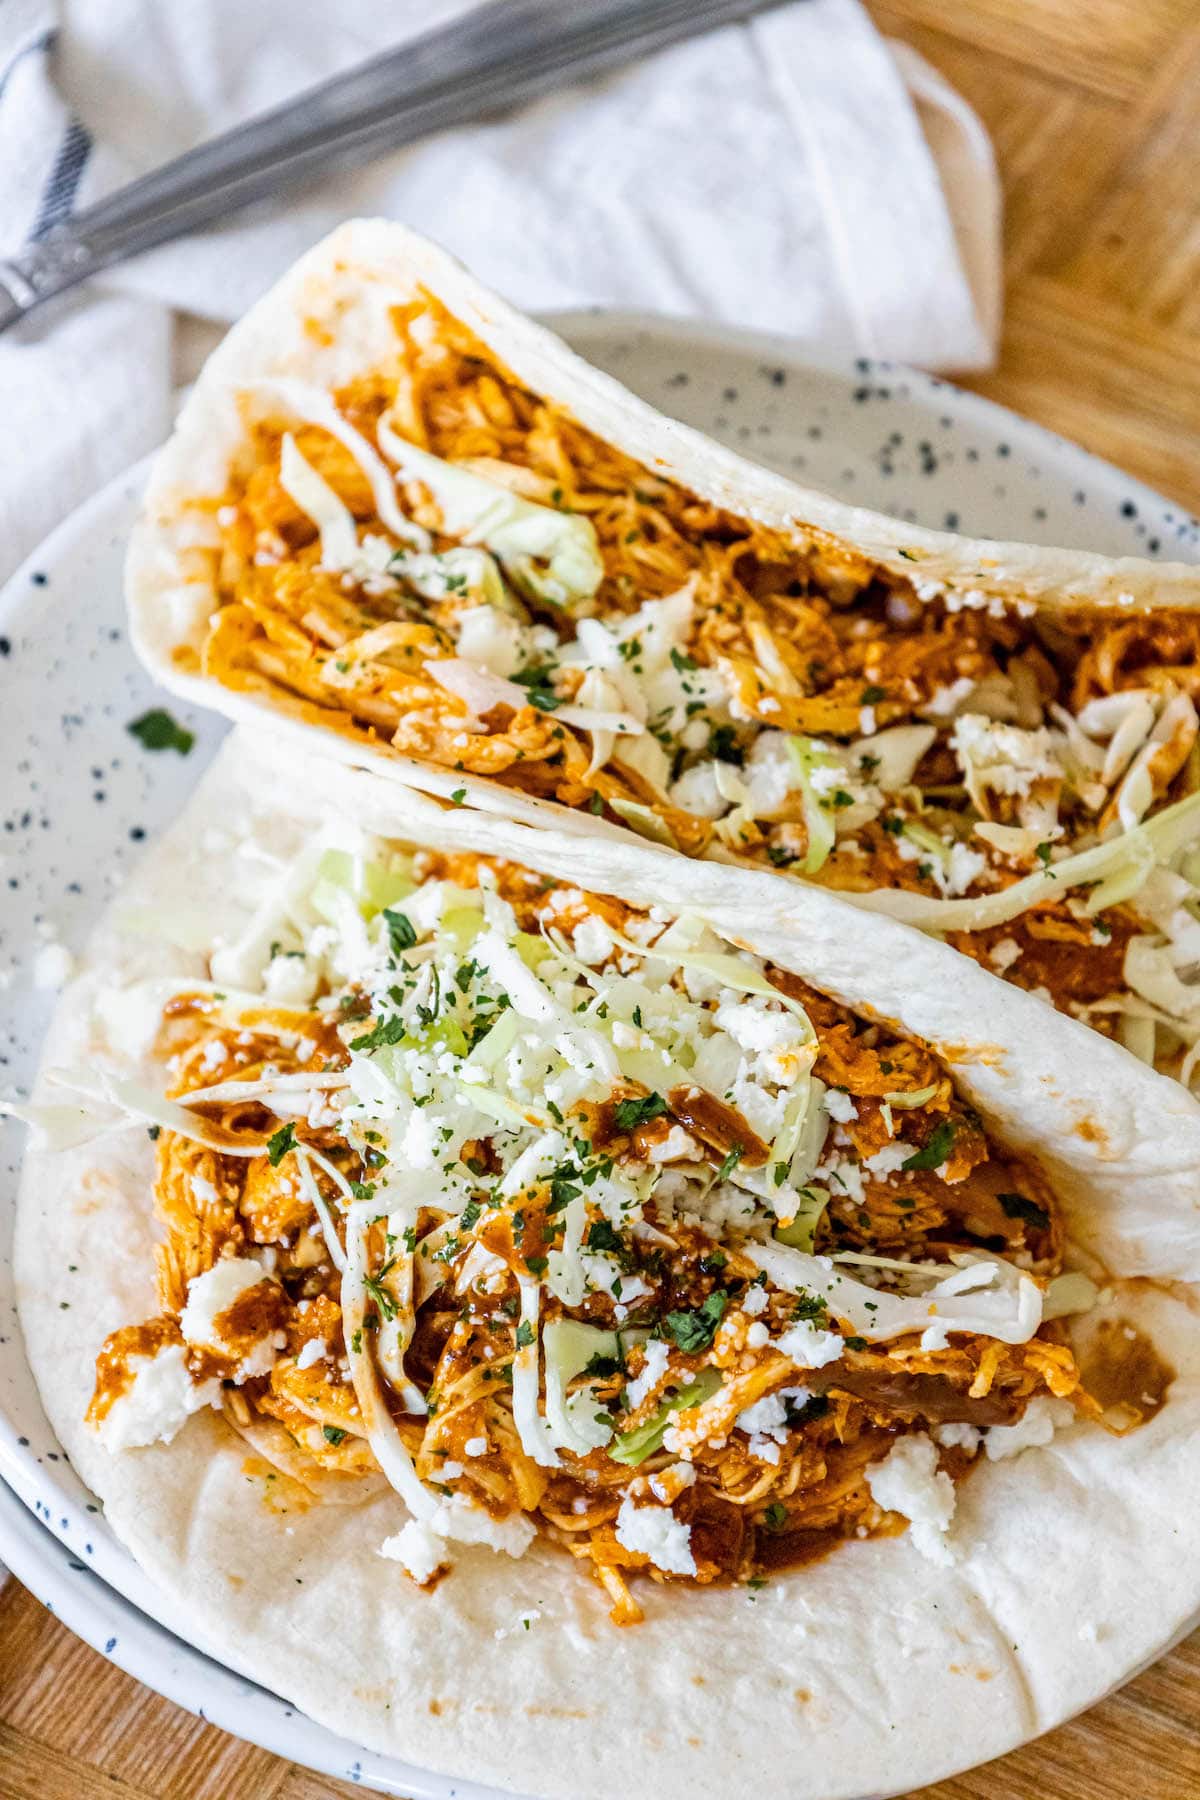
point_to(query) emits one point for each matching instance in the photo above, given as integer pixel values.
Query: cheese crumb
(213, 1293)
(908, 1481)
(163, 1396)
(808, 1347)
(655, 1532)
(1036, 1426)
(418, 1551)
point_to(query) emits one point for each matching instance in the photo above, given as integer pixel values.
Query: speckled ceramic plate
(119, 1630)
(78, 795)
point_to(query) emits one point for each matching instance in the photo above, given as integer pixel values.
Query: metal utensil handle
(496, 56)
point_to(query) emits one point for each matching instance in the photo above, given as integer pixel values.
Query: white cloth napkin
(789, 173)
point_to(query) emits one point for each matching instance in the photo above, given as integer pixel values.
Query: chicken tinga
(568, 1217)
(434, 559)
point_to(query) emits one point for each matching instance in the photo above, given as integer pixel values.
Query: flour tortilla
(328, 321)
(870, 1673)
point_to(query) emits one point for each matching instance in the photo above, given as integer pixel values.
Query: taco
(396, 511)
(474, 1240)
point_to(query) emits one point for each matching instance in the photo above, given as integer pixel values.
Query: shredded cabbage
(1119, 866)
(808, 756)
(568, 1346)
(800, 1232)
(1008, 1308)
(532, 1429)
(644, 820)
(390, 1451)
(522, 534)
(633, 1447)
(314, 496)
(312, 404)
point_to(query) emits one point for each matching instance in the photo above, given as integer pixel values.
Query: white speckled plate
(78, 794)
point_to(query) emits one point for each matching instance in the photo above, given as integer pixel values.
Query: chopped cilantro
(723, 744)
(380, 1295)
(856, 1343)
(153, 1132)
(538, 683)
(387, 1031)
(730, 1163)
(683, 663)
(871, 696)
(694, 1330)
(809, 1306)
(280, 1142)
(157, 730)
(1016, 1206)
(602, 1236)
(458, 796)
(775, 1517)
(363, 1190)
(933, 1154)
(629, 1114)
(333, 1434)
(524, 1334)
(400, 930)
(562, 1189)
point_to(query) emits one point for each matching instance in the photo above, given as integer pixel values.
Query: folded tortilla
(871, 1672)
(1006, 753)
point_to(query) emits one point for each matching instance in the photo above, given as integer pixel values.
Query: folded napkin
(791, 173)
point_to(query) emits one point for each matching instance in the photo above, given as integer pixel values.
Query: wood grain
(1095, 113)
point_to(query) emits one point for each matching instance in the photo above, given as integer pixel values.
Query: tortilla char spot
(802, 1696)
(1092, 1133)
(236, 1582)
(435, 1707)
(992, 1056)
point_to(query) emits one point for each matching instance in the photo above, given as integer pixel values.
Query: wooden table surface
(1094, 108)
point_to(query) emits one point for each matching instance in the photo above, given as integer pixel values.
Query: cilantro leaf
(730, 1163)
(602, 1236)
(1016, 1206)
(280, 1142)
(538, 682)
(157, 730)
(694, 1330)
(629, 1114)
(933, 1154)
(400, 930)
(387, 1031)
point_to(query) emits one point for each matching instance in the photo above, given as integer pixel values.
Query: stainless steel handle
(497, 56)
